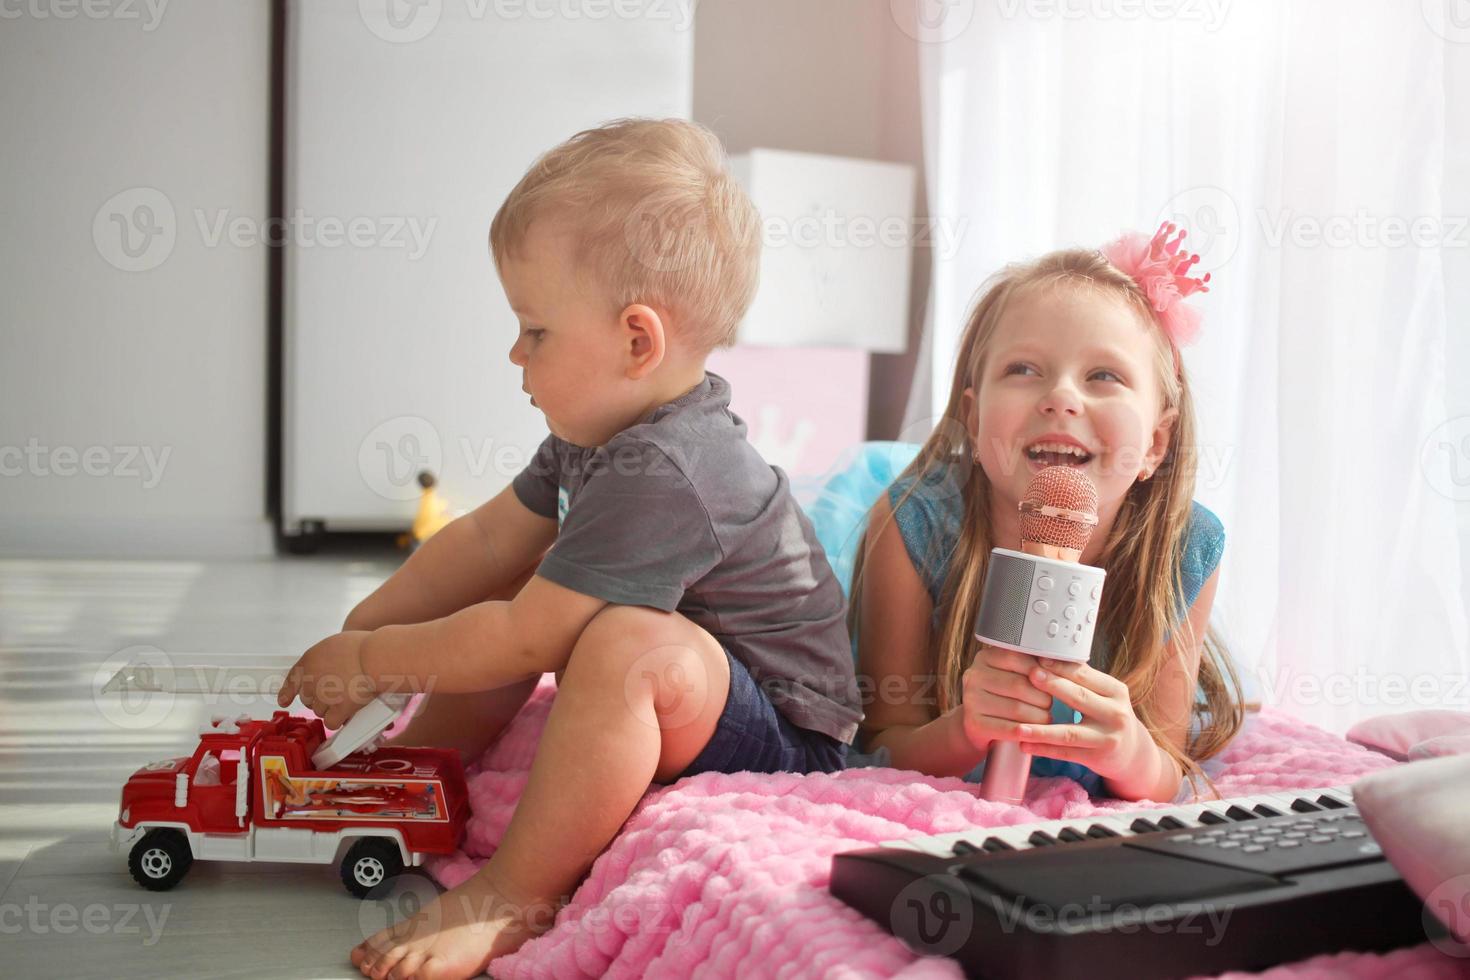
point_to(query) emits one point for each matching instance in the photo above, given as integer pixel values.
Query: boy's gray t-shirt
(679, 512)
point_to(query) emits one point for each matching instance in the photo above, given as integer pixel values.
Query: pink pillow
(1396, 735)
(1417, 815)
(1433, 748)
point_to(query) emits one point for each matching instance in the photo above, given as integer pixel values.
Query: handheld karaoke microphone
(1041, 600)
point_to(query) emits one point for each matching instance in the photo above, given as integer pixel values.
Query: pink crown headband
(1161, 270)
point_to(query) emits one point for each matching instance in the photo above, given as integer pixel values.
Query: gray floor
(68, 907)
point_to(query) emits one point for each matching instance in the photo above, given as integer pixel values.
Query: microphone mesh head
(1065, 488)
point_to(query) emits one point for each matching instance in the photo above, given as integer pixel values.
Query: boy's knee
(637, 640)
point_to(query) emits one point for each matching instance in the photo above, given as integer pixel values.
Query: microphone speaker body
(1039, 605)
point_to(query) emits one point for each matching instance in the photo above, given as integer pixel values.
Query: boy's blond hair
(658, 219)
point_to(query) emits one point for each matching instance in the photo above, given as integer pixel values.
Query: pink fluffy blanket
(727, 874)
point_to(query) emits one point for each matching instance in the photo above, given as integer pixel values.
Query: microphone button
(1074, 589)
(1040, 605)
(1070, 612)
(1091, 615)
(1045, 583)
(1096, 591)
(1051, 628)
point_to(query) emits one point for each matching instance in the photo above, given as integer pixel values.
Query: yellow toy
(433, 513)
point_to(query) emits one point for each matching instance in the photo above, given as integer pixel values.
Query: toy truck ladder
(360, 732)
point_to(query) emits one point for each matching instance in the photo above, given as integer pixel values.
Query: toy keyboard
(1201, 888)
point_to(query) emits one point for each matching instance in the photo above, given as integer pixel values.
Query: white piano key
(1119, 821)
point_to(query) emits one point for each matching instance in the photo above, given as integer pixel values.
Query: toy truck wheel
(160, 860)
(369, 863)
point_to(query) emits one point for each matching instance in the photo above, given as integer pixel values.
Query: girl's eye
(1019, 366)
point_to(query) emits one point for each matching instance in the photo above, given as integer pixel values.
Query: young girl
(1070, 359)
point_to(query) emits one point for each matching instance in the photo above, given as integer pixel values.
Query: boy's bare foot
(456, 935)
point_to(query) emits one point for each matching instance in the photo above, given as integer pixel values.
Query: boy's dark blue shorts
(753, 736)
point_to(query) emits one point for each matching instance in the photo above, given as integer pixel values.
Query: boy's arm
(471, 557)
(637, 535)
(483, 646)
(894, 668)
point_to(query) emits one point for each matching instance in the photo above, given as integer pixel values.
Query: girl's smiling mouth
(1044, 454)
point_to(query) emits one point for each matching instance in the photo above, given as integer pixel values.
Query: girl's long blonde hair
(1143, 549)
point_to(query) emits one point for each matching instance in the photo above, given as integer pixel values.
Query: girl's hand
(998, 695)
(329, 679)
(1110, 740)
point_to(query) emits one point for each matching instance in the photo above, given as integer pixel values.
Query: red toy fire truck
(251, 792)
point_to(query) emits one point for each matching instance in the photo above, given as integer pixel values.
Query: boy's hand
(329, 679)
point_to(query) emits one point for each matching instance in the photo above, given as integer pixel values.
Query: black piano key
(1099, 831)
(1331, 803)
(1211, 817)
(1143, 826)
(1235, 812)
(994, 844)
(1303, 805)
(1069, 835)
(1266, 811)
(1041, 838)
(964, 848)
(1173, 823)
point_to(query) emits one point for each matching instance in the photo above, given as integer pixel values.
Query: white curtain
(1313, 151)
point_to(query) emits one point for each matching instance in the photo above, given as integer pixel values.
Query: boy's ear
(644, 339)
